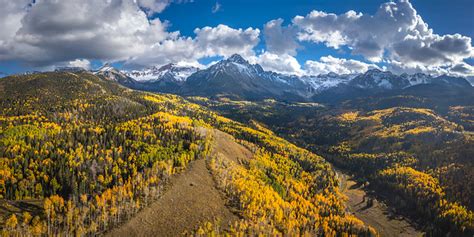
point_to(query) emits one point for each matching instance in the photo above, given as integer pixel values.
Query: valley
(98, 157)
(389, 142)
(377, 215)
(231, 118)
(160, 159)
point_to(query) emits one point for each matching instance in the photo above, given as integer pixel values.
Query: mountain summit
(237, 78)
(170, 72)
(108, 72)
(236, 58)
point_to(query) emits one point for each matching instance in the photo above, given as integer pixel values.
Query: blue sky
(453, 16)
(446, 18)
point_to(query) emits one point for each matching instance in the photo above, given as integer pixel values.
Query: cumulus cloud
(153, 6)
(221, 40)
(395, 30)
(82, 63)
(432, 50)
(225, 41)
(44, 33)
(51, 32)
(156, 6)
(11, 14)
(170, 50)
(287, 64)
(283, 63)
(463, 69)
(279, 39)
(61, 31)
(329, 64)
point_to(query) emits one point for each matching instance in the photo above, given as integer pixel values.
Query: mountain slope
(236, 78)
(169, 72)
(375, 82)
(168, 78)
(108, 72)
(94, 153)
(411, 148)
(192, 194)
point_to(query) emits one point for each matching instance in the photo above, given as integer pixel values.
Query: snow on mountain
(237, 78)
(234, 65)
(107, 68)
(237, 66)
(326, 81)
(169, 72)
(417, 78)
(279, 78)
(470, 80)
(385, 80)
(108, 72)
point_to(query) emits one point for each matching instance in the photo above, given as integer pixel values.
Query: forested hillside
(80, 155)
(413, 151)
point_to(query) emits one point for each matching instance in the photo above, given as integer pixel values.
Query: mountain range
(89, 137)
(236, 78)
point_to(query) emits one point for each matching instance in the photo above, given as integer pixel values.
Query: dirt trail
(378, 215)
(190, 200)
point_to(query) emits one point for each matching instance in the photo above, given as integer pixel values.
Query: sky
(302, 37)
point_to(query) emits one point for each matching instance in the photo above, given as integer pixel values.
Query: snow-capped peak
(236, 58)
(326, 81)
(106, 68)
(235, 65)
(169, 71)
(417, 78)
(377, 79)
(110, 73)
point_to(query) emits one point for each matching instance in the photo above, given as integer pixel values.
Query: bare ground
(225, 145)
(378, 215)
(190, 200)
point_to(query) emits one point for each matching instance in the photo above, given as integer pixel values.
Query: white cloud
(156, 6)
(221, 40)
(153, 6)
(462, 69)
(278, 39)
(396, 31)
(57, 32)
(11, 14)
(60, 31)
(225, 41)
(82, 63)
(329, 64)
(433, 50)
(170, 50)
(287, 64)
(52, 32)
(284, 63)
